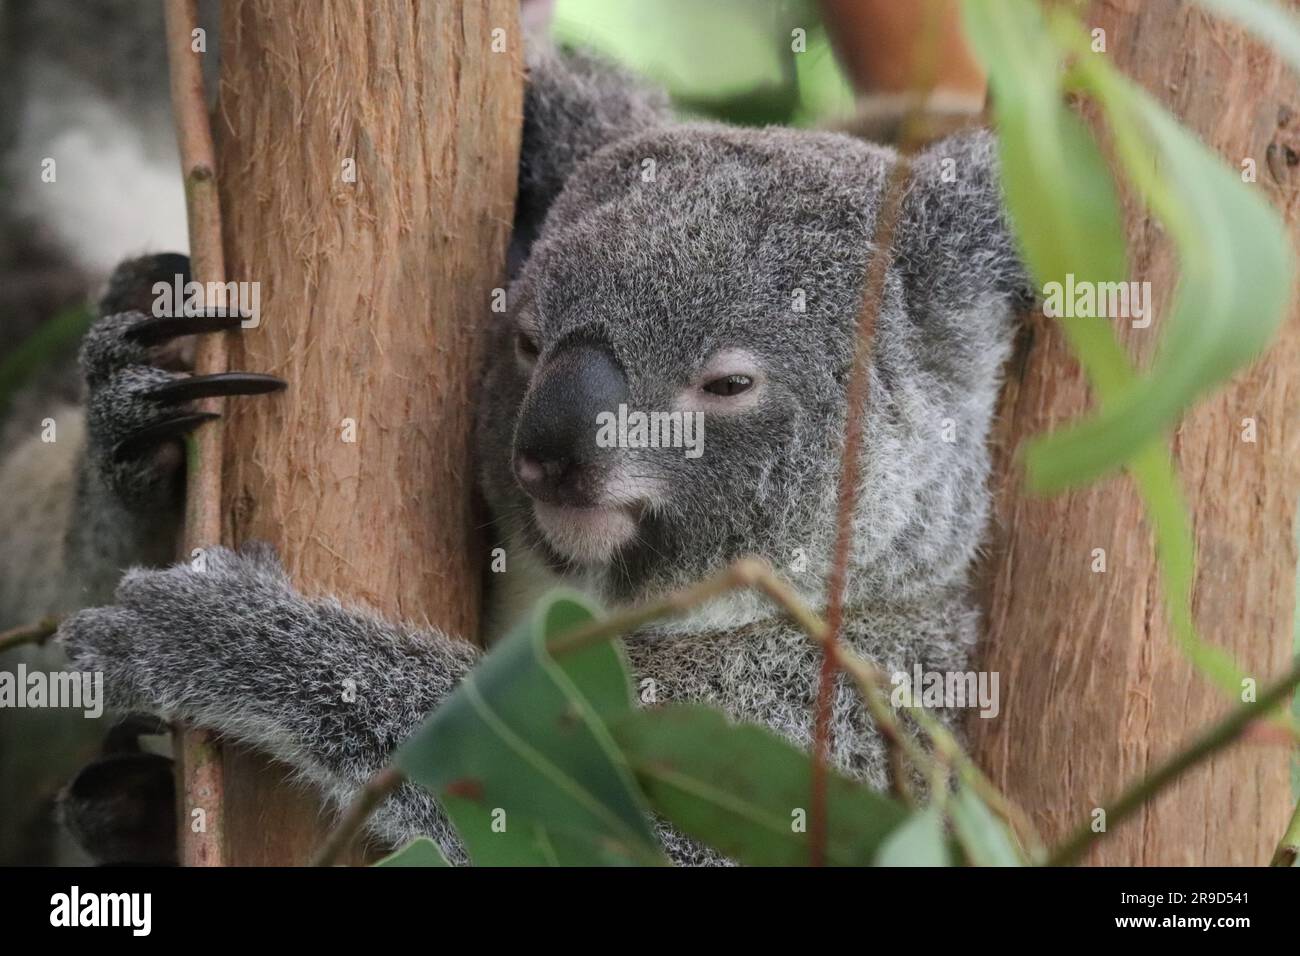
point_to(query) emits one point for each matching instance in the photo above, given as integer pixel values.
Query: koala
(661, 265)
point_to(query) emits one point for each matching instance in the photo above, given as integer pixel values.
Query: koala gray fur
(662, 274)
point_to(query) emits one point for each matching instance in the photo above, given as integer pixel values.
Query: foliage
(1236, 263)
(522, 750)
(728, 59)
(539, 758)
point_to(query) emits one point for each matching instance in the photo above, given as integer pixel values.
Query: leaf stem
(756, 573)
(1288, 849)
(753, 573)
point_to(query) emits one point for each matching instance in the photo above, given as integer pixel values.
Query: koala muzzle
(556, 458)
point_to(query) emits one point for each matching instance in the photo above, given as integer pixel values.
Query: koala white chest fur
(727, 285)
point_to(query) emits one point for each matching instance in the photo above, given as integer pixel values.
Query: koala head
(696, 287)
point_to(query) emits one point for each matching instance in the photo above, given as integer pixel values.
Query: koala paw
(177, 638)
(138, 383)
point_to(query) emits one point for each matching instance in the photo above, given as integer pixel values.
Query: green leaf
(920, 841)
(1055, 182)
(521, 760)
(731, 59)
(1049, 162)
(1235, 280)
(981, 834)
(1058, 190)
(696, 50)
(1236, 265)
(744, 791)
(419, 852)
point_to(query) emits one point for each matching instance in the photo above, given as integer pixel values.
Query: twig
(850, 467)
(1206, 745)
(37, 633)
(1031, 843)
(376, 790)
(1288, 848)
(198, 758)
(752, 572)
(922, 84)
(743, 573)
(756, 573)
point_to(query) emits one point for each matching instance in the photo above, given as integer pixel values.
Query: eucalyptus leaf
(697, 50)
(745, 791)
(730, 59)
(1046, 167)
(1235, 281)
(919, 841)
(419, 852)
(1058, 190)
(521, 760)
(1236, 265)
(982, 835)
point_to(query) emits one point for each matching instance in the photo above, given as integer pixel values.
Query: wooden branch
(919, 82)
(368, 155)
(1089, 666)
(37, 633)
(199, 783)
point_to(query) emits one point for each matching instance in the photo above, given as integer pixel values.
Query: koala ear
(574, 103)
(955, 245)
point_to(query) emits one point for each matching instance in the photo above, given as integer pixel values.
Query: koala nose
(556, 457)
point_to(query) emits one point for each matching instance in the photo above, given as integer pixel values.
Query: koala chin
(662, 267)
(586, 536)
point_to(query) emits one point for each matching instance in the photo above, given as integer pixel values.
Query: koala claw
(222, 383)
(155, 433)
(160, 329)
(137, 369)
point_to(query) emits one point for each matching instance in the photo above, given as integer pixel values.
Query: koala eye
(729, 385)
(526, 346)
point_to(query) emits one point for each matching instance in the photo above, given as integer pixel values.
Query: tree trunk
(1095, 692)
(368, 155)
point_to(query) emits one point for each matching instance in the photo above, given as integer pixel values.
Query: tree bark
(373, 288)
(1095, 691)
